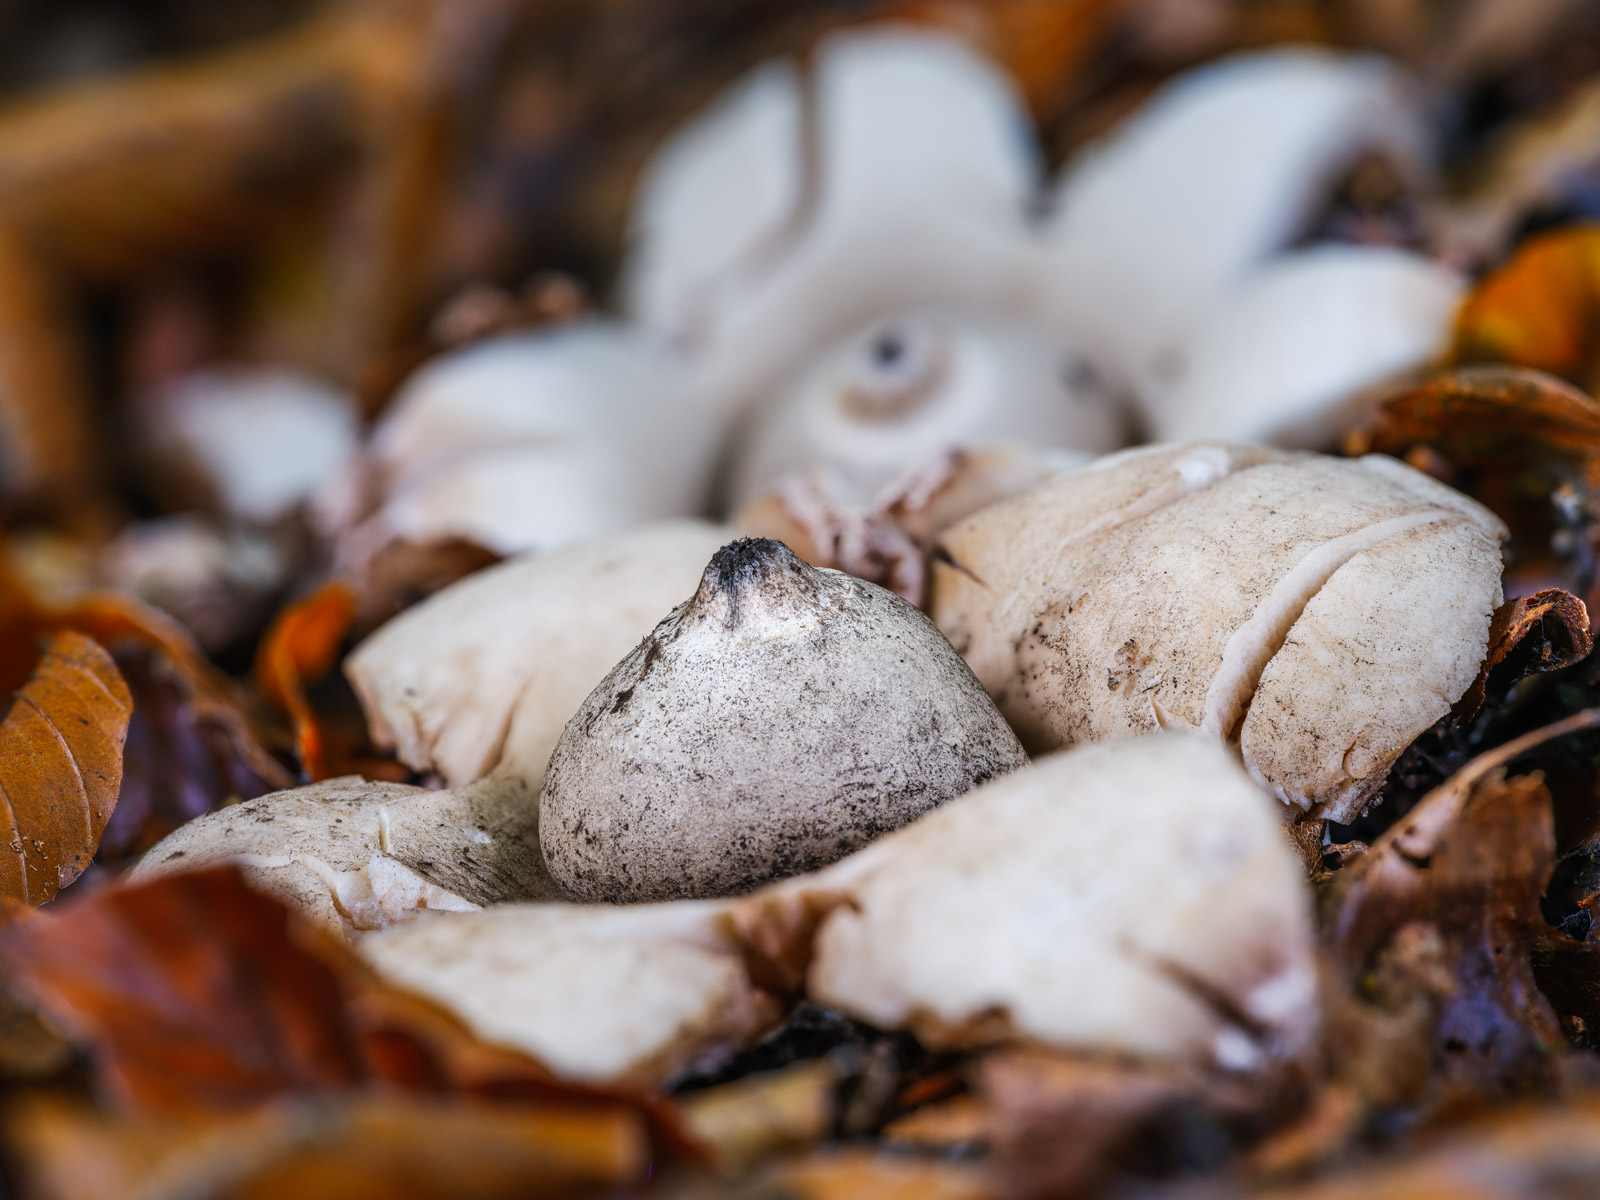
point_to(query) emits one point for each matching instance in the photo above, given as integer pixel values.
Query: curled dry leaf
(1529, 635)
(1434, 930)
(1520, 441)
(301, 647)
(1540, 309)
(60, 766)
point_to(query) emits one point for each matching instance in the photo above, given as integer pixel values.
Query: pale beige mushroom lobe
(1253, 645)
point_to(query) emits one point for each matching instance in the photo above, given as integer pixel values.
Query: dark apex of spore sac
(752, 567)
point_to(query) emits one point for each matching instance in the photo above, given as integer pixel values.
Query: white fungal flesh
(1221, 169)
(262, 439)
(902, 178)
(533, 441)
(1229, 589)
(1251, 646)
(915, 385)
(487, 672)
(598, 994)
(1015, 912)
(1287, 356)
(354, 855)
(1008, 913)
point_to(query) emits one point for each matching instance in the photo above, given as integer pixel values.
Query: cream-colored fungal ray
(598, 993)
(1250, 649)
(1136, 897)
(1200, 468)
(354, 855)
(485, 673)
(1445, 579)
(1160, 589)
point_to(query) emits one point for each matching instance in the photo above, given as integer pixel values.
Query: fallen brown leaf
(193, 742)
(748, 1119)
(195, 995)
(1522, 442)
(864, 1174)
(1528, 636)
(1433, 931)
(1056, 1123)
(60, 766)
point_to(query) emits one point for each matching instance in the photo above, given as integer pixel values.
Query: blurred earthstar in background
(918, 384)
(1289, 354)
(895, 169)
(249, 442)
(529, 441)
(1221, 169)
(219, 580)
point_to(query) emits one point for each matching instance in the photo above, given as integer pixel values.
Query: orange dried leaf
(1541, 309)
(300, 648)
(304, 642)
(60, 766)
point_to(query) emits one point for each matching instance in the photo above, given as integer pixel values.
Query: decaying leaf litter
(431, 433)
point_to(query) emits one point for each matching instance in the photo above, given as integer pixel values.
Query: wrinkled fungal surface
(1022, 911)
(354, 855)
(781, 718)
(1289, 604)
(1010, 914)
